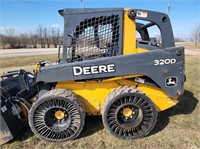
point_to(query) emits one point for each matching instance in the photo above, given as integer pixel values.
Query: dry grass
(177, 127)
(189, 45)
(25, 61)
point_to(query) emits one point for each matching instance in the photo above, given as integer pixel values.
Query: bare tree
(33, 39)
(40, 33)
(3, 41)
(196, 33)
(55, 35)
(178, 39)
(47, 37)
(24, 40)
(18, 42)
(11, 37)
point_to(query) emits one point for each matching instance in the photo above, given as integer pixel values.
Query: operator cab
(112, 32)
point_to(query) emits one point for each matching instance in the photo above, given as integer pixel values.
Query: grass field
(189, 45)
(177, 127)
(25, 61)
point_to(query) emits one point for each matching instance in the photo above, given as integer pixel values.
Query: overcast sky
(26, 15)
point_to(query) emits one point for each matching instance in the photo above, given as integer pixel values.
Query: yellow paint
(129, 35)
(36, 68)
(59, 115)
(127, 112)
(158, 97)
(140, 50)
(122, 77)
(93, 93)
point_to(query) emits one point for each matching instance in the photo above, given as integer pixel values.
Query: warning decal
(142, 14)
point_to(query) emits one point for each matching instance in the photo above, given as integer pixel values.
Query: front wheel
(57, 116)
(128, 113)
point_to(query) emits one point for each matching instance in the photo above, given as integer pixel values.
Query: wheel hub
(127, 112)
(129, 115)
(59, 115)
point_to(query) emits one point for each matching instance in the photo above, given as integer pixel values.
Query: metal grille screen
(95, 37)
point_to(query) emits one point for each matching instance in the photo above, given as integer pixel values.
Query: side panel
(151, 64)
(93, 93)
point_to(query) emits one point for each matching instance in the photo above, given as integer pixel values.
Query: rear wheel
(57, 116)
(128, 113)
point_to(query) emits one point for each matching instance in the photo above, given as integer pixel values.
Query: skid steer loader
(105, 70)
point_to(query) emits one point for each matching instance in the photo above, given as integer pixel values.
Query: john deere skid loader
(105, 70)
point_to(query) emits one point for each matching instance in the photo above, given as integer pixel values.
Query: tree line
(42, 37)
